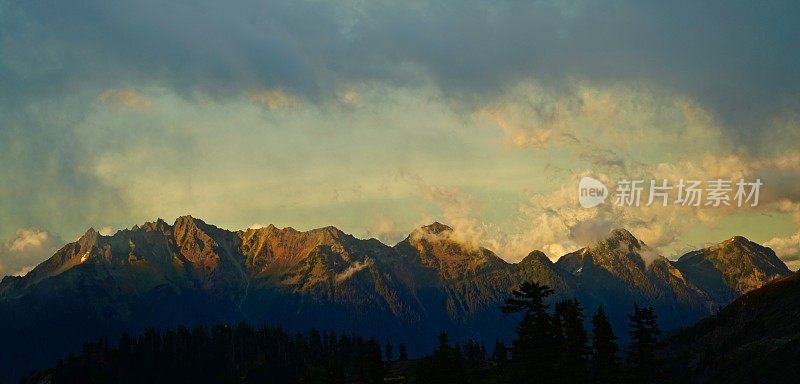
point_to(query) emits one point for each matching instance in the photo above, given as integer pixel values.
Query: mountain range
(191, 272)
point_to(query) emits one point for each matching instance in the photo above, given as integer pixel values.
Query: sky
(380, 116)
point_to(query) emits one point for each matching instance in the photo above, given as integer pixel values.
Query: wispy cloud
(351, 270)
(787, 248)
(128, 98)
(27, 248)
(274, 99)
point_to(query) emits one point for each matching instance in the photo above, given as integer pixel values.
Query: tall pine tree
(534, 352)
(605, 368)
(446, 366)
(573, 359)
(642, 361)
(500, 357)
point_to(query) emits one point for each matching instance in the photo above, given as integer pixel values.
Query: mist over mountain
(191, 272)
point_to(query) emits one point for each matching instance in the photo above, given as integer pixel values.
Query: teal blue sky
(378, 117)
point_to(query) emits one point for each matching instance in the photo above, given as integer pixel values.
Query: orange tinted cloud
(274, 99)
(128, 98)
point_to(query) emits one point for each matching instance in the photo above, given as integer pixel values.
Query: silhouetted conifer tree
(446, 366)
(643, 365)
(605, 367)
(500, 358)
(573, 358)
(534, 349)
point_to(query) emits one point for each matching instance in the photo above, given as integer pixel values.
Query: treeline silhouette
(555, 348)
(551, 346)
(223, 354)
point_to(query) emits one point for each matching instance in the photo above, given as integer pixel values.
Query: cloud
(24, 271)
(649, 255)
(458, 210)
(555, 222)
(27, 248)
(106, 231)
(349, 95)
(590, 231)
(787, 248)
(51, 169)
(351, 270)
(593, 117)
(385, 229)
(128, 98)
(28, 238)
(740, 65)
(274, 99)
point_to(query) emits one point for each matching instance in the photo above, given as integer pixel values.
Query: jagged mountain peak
(738, 240)
(625, 257)
(443, 238)
(190, 223)
(620, 245)
(270, 250)
(436, 228)
(188, 228)
(738, 262)
(185, 219)
(622, 235)
(153, 226)
(323, 235)
(265, 229)
(89, 238)
(536, 256)
(737, 248)
(734, 242)
(438, 247)
(331, 231)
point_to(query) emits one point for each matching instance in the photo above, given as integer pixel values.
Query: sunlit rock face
(731, 268)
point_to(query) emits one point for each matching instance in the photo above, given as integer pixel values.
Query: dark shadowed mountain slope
(755, 339)
(538, 267)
